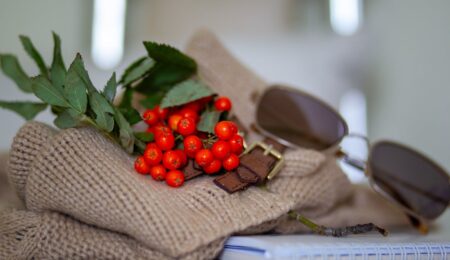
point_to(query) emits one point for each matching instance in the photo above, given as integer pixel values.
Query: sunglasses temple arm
(357, 163)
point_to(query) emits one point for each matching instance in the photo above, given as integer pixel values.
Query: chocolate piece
(192, 170)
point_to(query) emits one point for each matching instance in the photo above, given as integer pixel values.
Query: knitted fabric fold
(46, 235)
(81, 173)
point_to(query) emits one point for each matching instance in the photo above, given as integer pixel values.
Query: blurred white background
(397, 62)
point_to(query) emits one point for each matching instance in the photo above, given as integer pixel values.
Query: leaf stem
(336, 232)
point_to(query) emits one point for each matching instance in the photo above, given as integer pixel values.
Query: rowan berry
(141, 166)
(221, 149)
(189, 113)
(172, 160)
(213, 167)
(236, 144)
(186, 126)
(204, 157)
(165, 141)
(158, 172)
(194, 105)
(152, 154)
(231, 163)
(175, 178)
(192, 144)
(150, 116)
(205, 100)
(223, 104)
(183, 157)
(173, 121)
(162, 112)
(161, 129)
(225, 130)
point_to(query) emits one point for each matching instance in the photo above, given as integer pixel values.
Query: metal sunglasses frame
(418, 221)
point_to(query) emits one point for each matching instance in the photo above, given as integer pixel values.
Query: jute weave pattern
(80, 173)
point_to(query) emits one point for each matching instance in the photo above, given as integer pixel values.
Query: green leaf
(172, 67)
(67, 119)
(34, 54)
(136, 70)
(208, 120)
(144, 136)
(166, 54)
(58, 69)
(26, 109)
(75, 89)
(78, 66)
(103, 111)
(126, 98)
(110, 89)
(49, 93)
(131, 115)
(139, 146)
(151, 101)
(185, 92)
(162, 77)
(126, 108)
(126, 136)
(11, 67)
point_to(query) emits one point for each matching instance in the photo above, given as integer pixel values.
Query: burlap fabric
(83, 198)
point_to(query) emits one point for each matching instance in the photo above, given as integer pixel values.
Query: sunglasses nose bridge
(361, 137)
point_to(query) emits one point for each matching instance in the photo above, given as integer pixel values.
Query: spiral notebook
(369, 246)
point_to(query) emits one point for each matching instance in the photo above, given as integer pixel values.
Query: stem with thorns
(336, 232)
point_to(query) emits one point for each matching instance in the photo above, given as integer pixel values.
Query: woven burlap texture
(32, 235)
(82, 174)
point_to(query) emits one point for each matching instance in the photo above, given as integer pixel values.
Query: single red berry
(150, 129)
(225, 130)
(165, 142)
(141, 166)
(234, 127)
(222, 104)
(192, 144)
(158, 172)
(162, 112)
(173, 121)
(231, 163)
(183, 157)
(194, 105)
(236, 144)
(186, 126)
(205, 100)
(189, 113)
(161, 129)
(150, 116)
(152, 154)
(213, 167)
(172, 160)
(221, 149)
(204, 157)
(175, 178)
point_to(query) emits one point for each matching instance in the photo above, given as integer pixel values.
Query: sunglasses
(413, 182)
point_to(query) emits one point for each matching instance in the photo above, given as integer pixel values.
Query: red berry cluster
(163, 162)
(224, 152)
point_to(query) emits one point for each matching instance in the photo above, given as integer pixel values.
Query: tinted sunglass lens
(299, 119)
(410, 178)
